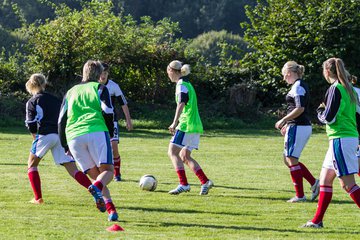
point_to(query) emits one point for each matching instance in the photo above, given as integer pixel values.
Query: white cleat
(310, 224)
(180, 189)
(206, 187)
(297, 199)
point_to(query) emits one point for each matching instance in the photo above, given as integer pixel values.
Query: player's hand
(279, 124)
(129, 125)
(172, 128)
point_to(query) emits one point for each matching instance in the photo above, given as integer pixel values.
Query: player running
(42, 112)
(85, 122)
(338, 113)
(186, 129)
(116, 95)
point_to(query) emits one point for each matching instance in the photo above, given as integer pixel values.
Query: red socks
(297, 179)
(99, 185)
(354, 193)
(35, 182)
(182, 176)
(117, 164)
(307, 174)
(323, 203)
(110, 207)
(201, 175)
(82, 179)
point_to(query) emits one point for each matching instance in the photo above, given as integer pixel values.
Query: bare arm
(129, 125)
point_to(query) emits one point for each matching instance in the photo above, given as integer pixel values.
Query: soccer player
(116, 95)
(186, 129)
(338, 113)
(42, 112)
(296, 128)
(85, 126)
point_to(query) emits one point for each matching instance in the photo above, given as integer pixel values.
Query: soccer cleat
(206, 187)
(310, 224)
(315, 190)
(98, 198)
(113, 217)
(37, 201)
(180, 188)
(297, 199)
(117, 178)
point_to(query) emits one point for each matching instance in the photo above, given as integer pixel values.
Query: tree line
(225, 66)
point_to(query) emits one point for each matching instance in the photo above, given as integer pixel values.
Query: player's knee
(184, 158)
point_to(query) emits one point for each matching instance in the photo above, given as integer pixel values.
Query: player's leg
(173, 153)
(297, 179)
(346, 164)
(68, 162)
(40, 147)
(206, 184)
(327, 177)
(78, 175)
(79, 148)
(295, 140)
(100, 151)
(34, 178)
(110, 207)
(117, 161)
(116, 154)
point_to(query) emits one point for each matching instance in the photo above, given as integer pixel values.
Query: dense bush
(308, 32)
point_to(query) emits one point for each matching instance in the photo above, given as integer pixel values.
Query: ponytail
(344, 79)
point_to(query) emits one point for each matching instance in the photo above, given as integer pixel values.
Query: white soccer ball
(148, 183)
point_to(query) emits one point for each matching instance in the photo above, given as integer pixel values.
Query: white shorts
(92, 149)
(341, 156)
(43, 143)
(116, 137)
(189, 141)
(295, 139)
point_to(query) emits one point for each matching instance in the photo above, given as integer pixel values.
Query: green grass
(248, 201)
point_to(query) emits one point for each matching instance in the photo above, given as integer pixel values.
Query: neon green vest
(84, 111)
(189, 120)
(345, 123)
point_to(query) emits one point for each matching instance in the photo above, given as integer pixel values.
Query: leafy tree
(308, 32)
(214, 45)
(138, 53)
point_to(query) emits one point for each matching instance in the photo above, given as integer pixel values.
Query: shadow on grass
(13, 164)
(188, 211)
(261, 229)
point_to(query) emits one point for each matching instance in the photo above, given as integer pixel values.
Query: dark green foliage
(212, 46)
(308, 32)
(138, 54)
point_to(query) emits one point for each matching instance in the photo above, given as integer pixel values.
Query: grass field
(248, 201)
